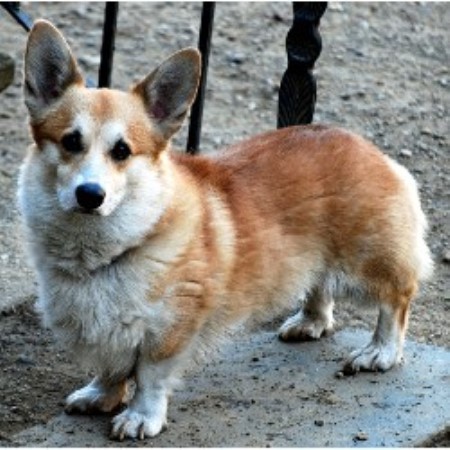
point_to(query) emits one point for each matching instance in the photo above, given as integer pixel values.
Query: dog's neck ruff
(79, 245)
(80, 270)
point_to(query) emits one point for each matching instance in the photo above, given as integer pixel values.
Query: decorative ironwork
(297, 95)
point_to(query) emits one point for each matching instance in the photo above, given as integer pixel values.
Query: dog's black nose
(90, 195)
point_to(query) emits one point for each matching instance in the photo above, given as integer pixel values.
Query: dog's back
(320, 194)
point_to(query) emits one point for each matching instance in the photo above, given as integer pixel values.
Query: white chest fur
(105, 315)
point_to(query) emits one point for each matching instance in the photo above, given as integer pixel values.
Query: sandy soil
(384, 72)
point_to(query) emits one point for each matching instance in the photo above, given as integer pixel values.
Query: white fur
(111, 132)
(385, 349)
(147, 413)
(315, 320)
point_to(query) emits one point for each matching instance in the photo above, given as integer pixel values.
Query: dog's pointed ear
(169, 91)
(50, 67)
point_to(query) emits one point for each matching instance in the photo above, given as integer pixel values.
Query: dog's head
(100, 144)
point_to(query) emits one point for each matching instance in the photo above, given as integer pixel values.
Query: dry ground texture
(384, 72)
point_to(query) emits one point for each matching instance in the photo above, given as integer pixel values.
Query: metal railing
(297, 94)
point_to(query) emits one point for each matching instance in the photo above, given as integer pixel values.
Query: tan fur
(192, 245)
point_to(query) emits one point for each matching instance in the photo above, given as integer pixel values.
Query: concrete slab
(261, 392)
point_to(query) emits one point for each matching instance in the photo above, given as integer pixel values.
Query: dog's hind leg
(97, 396)
(386, 347)
(393, 282)
(313, 321)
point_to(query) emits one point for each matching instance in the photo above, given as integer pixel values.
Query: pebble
(235, 57)
(361, 436)
(25, 360)
(406, 153)
(336, 6)
(276, 17)
(319, 423)
(426, 131)
(446, 256)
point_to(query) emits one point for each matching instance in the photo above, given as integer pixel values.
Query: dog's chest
(105, 314)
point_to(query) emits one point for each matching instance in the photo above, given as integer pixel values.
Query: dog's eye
(72, 142)
(120, 151)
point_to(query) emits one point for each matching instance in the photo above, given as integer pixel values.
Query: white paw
(95, 397)
(136, 425)
(373, 357)
(303, 328)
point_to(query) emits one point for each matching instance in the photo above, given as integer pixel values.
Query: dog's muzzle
(90, 196)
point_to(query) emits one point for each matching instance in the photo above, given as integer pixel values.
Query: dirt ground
(384, 72)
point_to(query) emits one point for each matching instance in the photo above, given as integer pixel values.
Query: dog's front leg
(146, 414)
(98, 395)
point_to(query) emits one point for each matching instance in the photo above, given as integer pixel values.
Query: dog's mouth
(85, 211)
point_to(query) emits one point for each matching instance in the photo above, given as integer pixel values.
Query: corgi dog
(144, 254)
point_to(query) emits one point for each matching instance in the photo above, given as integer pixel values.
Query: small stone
(319, 423)
(426, 132)
(336, 6)
(25, 360)
(361, 436)
(446, 257)
(276, 17)
(235, 57)
(405, 153)
(339, 374)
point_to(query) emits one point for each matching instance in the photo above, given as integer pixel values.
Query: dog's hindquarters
(374, 229)
(393, 274)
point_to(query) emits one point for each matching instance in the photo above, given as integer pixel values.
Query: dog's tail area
(421, 255)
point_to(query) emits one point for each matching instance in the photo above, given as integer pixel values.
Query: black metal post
(204, 45)
(297, 95)
(107, 51)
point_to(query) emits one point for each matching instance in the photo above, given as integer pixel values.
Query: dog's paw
(374, 357)
(136, 425)
(95, 397)
(302, 328)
